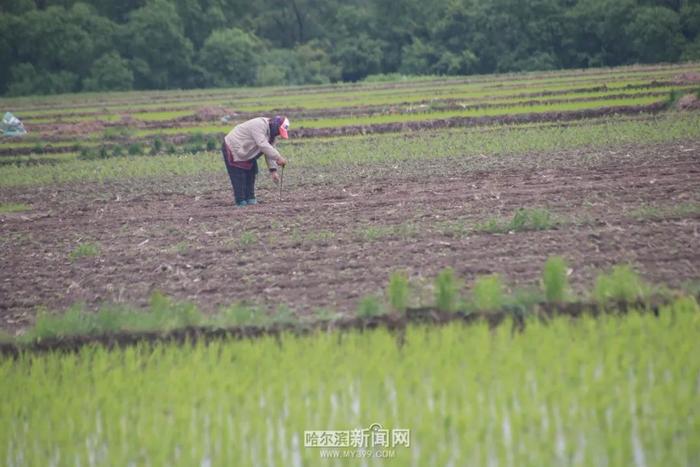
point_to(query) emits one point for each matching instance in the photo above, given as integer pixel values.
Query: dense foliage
(53, 46)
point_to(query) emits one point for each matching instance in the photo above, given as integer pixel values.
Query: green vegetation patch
(462, 392)
(87, 249)
(13, 207)
(524, 219)
(659, 212)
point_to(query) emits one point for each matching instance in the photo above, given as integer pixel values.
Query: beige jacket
(248, 139)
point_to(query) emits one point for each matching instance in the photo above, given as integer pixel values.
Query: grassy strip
(13, 207)
(487, 294)
(424, 106)
(481, 112)
(427, 116)
(299, 96)
(468, 394)
(361, 150)
(524, 219)
(659, 212)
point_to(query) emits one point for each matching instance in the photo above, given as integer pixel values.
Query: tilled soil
(328, 243)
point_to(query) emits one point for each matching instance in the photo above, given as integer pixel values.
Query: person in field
(242, 148)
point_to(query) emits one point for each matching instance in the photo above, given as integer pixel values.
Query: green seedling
(84, 250)
(369, 307)
(487, 293)
(398, 291)
(622, 283)
(446, 290)
(555, 280)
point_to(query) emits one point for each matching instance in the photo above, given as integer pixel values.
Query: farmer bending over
(244, 145)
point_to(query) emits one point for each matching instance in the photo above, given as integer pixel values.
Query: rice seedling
(240, 314)
(555, 280)
(487, 293)
(13, 207)
(369, 307)
(524, 219)
(622, 283)
(397, 291)
(378, 149)
(86, 249)
(657, 212)
(465, 393)
(248, 238)
(446, 290)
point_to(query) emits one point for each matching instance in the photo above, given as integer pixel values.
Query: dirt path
(328, 244)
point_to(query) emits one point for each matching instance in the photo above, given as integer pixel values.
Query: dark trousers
(242, 180)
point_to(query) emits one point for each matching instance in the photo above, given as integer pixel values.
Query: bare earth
(328, 243)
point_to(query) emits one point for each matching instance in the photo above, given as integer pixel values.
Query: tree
(16, 7)
(692, 50)
(26, 79)
(161, 54)
(305, 64)
(358, 57)
(595, 33)
(8, 26)
(109, 73)
(201, 17)
(230, 57)
(418, 58)
(656, 35)
(690, 21)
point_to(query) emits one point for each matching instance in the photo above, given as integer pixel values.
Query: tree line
(56, 46)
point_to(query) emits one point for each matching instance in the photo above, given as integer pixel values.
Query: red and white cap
(284, 128)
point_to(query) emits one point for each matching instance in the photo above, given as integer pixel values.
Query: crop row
(64, 132)
(260, 100)
(426, 105)
(343, 153)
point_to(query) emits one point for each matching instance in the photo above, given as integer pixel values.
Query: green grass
(514, 94)
(446, 288)
(626, 385)
(248, 238)
(659, 212)
(622, 283)
(398, 291)
(13, 207)
(524, 219)
(555, 280)
(370, 306)
(163, 314)
(488, 293)
(358, 152)
(87, 249)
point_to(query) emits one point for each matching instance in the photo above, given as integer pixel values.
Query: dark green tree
(230, 57)
(359, 57)
(305, 64)
(109, 73)
(656, 36)
(26, 79)
(161, 54)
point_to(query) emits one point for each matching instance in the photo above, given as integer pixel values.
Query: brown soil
(315, 248)
(689, 77)
(688, 102)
